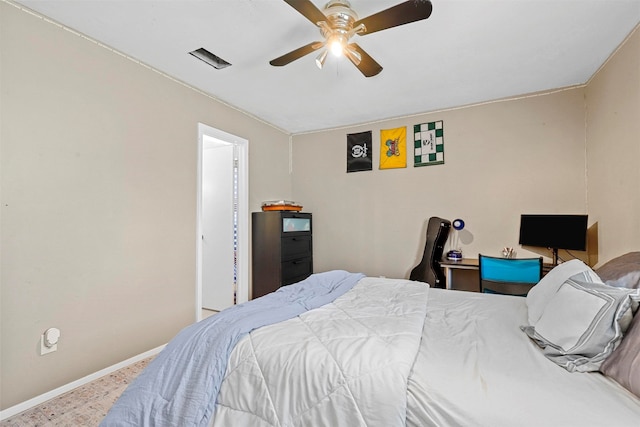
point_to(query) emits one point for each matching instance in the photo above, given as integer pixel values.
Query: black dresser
(282, 249)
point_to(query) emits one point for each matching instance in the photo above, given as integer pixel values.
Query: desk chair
(508, 276)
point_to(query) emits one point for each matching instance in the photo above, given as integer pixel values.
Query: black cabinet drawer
(295, 270)
(296, 223)
(296, 247)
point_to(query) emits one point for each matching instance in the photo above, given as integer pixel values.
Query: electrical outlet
(44, 349)
(49, 341)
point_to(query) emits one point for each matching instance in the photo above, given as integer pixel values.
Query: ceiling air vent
(211, 59)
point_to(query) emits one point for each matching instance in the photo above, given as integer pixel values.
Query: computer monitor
(554, 232)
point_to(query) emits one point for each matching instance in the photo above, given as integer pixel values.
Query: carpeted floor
(84, 406)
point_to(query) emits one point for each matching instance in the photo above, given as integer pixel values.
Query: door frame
(243, 213)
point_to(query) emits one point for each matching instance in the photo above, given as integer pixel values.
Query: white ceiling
(468, 51)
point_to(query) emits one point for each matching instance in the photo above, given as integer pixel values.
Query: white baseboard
(21, 407)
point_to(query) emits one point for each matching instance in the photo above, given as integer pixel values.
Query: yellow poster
(393, 148)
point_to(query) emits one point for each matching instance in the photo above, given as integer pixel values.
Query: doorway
(222, 241)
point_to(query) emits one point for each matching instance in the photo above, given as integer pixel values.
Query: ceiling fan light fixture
(321, 58)
(336, 48)
(339, 23)
(337, 45)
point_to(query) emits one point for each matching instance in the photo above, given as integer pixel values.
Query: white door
(218, 248)
(222, 241)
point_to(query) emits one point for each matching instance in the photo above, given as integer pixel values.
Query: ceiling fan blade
(403, 13)
(366, 64)
(308, 10)
(296, 54)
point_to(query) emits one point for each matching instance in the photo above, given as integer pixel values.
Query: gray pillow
(583, 323)
(622, 272)
(624, 363)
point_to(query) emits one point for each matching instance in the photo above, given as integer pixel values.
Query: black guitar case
(429, 269)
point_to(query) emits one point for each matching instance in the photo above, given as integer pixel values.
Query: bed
(365, 351)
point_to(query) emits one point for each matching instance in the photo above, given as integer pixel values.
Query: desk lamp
(455, 254)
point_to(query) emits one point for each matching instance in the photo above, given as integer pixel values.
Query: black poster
(359, 152)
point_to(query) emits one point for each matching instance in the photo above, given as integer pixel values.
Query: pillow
(624, 363)
(622, 272)
(583, 323)
(541, 293)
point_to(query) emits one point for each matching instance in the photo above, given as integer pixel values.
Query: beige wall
(613, 148)
(98, 174)
(98, 169)
(570, 151)
(501, 160)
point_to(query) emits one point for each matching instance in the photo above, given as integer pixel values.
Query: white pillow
(583, 323)
(540, 295)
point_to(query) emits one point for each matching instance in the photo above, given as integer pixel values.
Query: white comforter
(367, 360)
(344, 364)
(477, 368)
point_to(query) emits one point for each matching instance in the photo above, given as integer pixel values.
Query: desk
(463, 274)
(466, 272)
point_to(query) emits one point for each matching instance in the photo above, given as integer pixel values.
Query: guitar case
(429, 269)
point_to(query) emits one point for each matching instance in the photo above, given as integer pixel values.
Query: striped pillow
(583, 323)
(624, 364)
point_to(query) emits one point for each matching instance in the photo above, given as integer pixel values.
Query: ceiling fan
(338, 23)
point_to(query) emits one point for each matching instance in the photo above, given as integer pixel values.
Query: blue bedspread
(180, 386)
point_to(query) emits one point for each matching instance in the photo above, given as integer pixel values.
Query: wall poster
(393, 148)
(359, 152)
(428, 144)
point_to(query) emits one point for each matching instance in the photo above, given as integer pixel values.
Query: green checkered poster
(428, 145)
